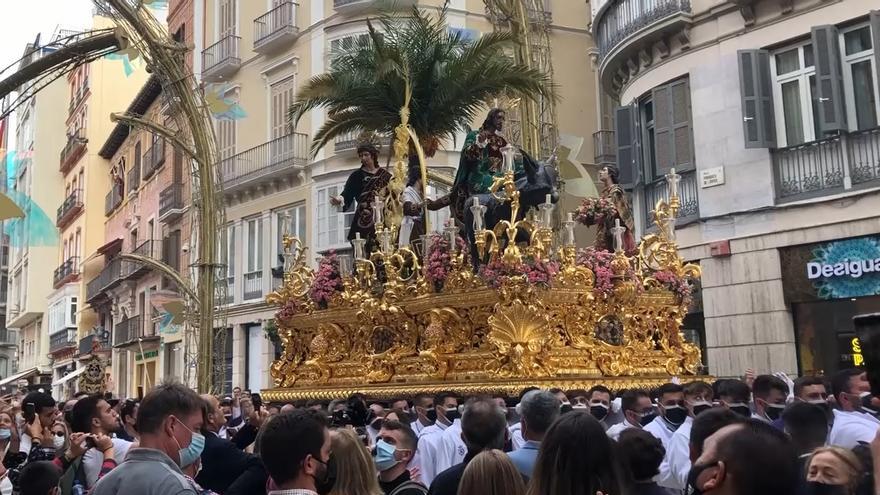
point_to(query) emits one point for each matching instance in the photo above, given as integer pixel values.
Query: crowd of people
(758, 435)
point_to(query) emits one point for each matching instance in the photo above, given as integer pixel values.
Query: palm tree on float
(451, 78)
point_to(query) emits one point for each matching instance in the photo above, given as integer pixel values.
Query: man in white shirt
(856, 419)
(673, 413)
(452, 448)
(677, 463)
(637, 412)
(769, 393)
(94, 415)
(423, 404)
(430, 448)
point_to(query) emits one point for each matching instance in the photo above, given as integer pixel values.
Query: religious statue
(413, 225)
(361, 187)
(609, 177)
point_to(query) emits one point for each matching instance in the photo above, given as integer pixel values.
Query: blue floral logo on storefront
(844, 269)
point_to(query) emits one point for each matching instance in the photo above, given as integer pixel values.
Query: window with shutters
(226, 134)
(227, 13)
(346, 43)
(796, 101)
(282, 94)
(859, 77)
(666, 130)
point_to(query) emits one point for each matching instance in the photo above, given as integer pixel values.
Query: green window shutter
(682, 135)
(664, 153)
(626, 139)
(759, 126)
(829, 79)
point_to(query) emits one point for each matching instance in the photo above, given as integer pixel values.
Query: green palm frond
(451, 79)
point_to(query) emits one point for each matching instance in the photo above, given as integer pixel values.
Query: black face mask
(452, 414)
(599, 411)
(774, 411)
(700, 407)
(431, 414)
(867, 407)
(325, 480)
(816, 488)
(646, 419)
(676, 415)
(565, 408)
(694, 473)
(742, 410)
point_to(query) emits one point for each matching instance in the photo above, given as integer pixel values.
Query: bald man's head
(286, 408)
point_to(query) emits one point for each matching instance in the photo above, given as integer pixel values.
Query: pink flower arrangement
(675, 284)
(439, 259)
(327, 280)
(537, 272)
(595, 210)
(291, 308)
(599, 261)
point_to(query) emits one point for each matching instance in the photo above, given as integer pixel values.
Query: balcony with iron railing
(222, 59)
(111, 275)
(129, 331)
(153, 160)
(351, 6)
(67, 272)
(264, 162)
(604, 148)
(72, 151)
(134, 179)
(112, 200)
(171, 204)
(87, 345)
(276, 28)
(253, 285)
(623, 28)
(836, 164)
(69, 209)
(689, 210)
(62, 339)
(349, 141)
(134, 269)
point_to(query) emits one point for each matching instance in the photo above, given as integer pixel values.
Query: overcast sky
(23, 19)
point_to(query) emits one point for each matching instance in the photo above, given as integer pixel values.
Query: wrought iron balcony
(73, 151)
(132, 269)
(349, 6)
(687, 194)
(171, 204)
(63, 339)
(154, 158)
(69, 209)
(87, 345)
(221, 59)
(265, 162)
(129, 331)
(276, 28)
(821, 168)
(349, 141)
(67, 272)
(253, 285)
(625, 18)
(107, 279)
(604, 148)
(112, 200)
(134, 179)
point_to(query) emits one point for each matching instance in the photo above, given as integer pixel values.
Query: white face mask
(57, 442)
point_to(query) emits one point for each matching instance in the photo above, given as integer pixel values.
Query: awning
(72, 374)
(18, 376)
(111, 247)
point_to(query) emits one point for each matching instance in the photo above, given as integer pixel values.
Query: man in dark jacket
(222, 461)
(483, 427)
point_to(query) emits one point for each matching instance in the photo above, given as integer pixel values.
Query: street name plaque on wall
(840, 269)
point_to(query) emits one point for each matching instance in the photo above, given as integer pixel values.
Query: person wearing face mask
(676, 463)
(734, 395)
(807, 425)
(169, 420)
(599, 404)
(637, 409)
(431, 455)
(770, 393)
(833, 471)
(296, 449)
(394, 449)
(423, 404)
(749, 458)
(856, 419)
(93, 415)
(673, 413)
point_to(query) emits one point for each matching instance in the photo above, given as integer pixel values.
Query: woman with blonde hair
(355, 471)
(834, 466)
(491, 473)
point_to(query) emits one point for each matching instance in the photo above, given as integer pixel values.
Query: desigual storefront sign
(839, 269)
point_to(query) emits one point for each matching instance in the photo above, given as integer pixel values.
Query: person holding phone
(93, 415)
(36, 405)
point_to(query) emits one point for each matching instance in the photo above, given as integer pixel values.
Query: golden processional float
(541, 312)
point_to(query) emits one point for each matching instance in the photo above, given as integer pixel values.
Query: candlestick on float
(358, 244)
(617, 231)
(547, 208)
(568, 225)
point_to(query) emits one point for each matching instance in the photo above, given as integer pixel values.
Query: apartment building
(768, 109)
(8, 338)
(259, 53)
(33, 180)
(94, 91)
